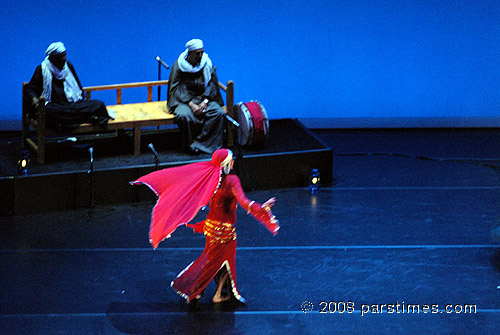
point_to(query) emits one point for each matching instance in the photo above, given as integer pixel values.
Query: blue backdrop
(301, 59)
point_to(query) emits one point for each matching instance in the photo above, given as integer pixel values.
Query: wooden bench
(128, 116)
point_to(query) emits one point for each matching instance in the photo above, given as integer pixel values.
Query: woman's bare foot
(220, 298)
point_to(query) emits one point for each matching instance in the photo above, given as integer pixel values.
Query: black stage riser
(71, 190)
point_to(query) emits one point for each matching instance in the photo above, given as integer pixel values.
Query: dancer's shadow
(495, 235)
(173, 318)
(495, 259)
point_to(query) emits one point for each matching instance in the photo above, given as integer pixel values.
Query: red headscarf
(182, 191)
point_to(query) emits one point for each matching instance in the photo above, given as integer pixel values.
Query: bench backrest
(229, 89)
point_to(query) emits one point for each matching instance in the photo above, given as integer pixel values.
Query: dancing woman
(182, 192)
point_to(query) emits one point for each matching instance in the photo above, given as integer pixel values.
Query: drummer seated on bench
(65, 106)
(195, 100)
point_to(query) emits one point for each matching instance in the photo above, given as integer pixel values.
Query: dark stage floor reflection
(365, 256)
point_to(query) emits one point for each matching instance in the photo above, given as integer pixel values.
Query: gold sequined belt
(221, 232)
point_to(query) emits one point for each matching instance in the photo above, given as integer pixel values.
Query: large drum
(254, 124)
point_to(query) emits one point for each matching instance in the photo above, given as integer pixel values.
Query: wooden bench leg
(137, 141)
(25, 130)
(41, 133)
(42, 144)
(25, 118)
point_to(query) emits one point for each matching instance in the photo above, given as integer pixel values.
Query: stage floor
(402, 243)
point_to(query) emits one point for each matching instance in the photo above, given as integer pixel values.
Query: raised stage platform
(64, 182)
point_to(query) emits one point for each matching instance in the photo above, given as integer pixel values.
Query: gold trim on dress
(221, 232)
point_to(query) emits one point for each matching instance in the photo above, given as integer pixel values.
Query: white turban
(55, 48)
(194, 44)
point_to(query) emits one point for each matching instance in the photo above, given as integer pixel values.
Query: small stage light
(314, 181)
(23, 164)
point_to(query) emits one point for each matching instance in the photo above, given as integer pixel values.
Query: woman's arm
(261, 213)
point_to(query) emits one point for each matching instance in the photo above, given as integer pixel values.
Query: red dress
(220, 246)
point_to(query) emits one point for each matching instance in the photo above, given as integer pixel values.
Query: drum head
(245, 130)
(260, 123)
(265, 119)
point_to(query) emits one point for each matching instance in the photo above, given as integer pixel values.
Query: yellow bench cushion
(155, 110)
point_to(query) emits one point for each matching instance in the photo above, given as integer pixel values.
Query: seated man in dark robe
(56, 80)
(195, 99)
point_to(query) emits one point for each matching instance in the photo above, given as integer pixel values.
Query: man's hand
(36, 103)
(204, 105)
(198, 109)
(195, 108)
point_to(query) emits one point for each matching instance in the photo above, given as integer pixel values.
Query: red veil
(182, 191)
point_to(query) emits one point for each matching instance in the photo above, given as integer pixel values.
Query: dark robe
(63, 115)
(203, 132)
